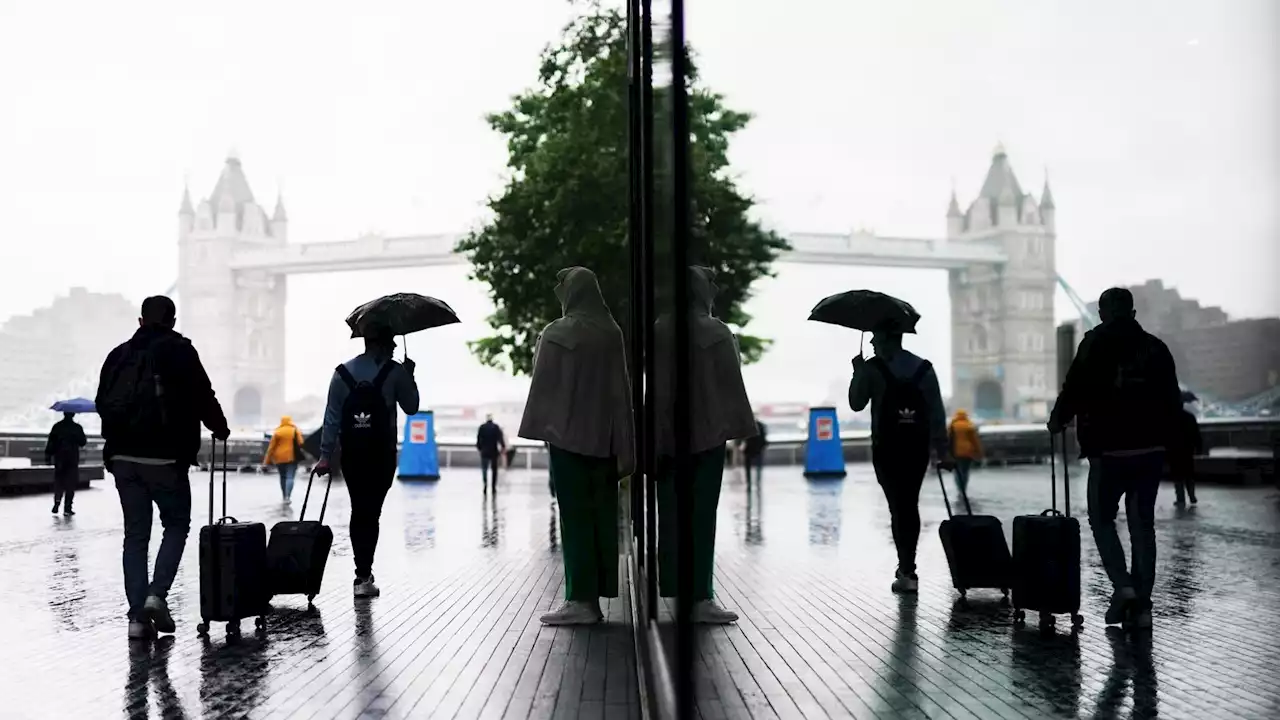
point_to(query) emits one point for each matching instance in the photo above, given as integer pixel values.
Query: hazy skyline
(1156, 122)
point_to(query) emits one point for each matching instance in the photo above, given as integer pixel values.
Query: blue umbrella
(75, 405)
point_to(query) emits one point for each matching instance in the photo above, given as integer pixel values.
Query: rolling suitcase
(233, 563)
(976, 549)
(1046, 555)
(298, 550)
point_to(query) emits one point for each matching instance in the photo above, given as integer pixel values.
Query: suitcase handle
(226, 520)
(1053, 475)
(302, 516)
(1050, 513)
(213, 462)
(963, 495)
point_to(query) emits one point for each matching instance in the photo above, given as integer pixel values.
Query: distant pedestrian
(492, 446)
(753, 451)
(153, 395)
(1182, 457)
(360, 424)
(908, 425)
(1123, 388)
(580, 404)
(284, 452)
(966, 447)
(62, 451)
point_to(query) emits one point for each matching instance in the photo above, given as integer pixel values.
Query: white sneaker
(365, 588)
(158, 610)
(707, 612)
(141, 630)
(573, 612)
(904, 583)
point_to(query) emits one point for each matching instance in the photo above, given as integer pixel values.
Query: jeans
(287, 472)
(368, 486)
(754, 462)
(139, 486)
(1137, 479)
(900, 476)
(65, 478)
(963, 465)
(489, 464)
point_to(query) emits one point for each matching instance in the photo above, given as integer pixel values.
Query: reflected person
(580, 405)
(719, 413)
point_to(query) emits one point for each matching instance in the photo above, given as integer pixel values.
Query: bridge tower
(235, 318)
(1002, 315)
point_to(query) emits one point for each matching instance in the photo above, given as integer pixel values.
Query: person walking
(153, 396)
(360, 426)
(1182, 458)
(1122, 386)
(491, 444)
(966, 447)
(580, 405)
(908, 426)
(753, 448)
(284, 451)
(719, 414)
(62, 451)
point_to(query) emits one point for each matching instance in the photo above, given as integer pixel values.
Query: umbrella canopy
(401, 313)
(866, 310)
(74, 405)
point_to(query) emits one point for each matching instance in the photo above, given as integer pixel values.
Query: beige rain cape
(718, 404)
(580, 397)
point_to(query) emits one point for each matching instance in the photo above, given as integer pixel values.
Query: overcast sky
(1157, 121)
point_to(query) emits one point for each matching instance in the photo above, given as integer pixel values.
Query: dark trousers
(707, 479)
(169, 489)
(1183, 469)
(963, 465)
(1136, 478)
(754, 462)
(65, 478)
(900, 476)
(489, 465)
(367, 484)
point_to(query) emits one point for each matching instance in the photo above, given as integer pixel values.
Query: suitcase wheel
(1077, 620)
(202, 629)
(233, 630)
(1019, 618)
(1047, 620)
(260, 623)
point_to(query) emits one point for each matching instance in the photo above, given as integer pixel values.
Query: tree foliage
(567, 199)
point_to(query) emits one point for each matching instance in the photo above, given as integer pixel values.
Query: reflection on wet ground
(464, 576)
(809, 570)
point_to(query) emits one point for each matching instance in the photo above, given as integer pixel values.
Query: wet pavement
(806, 564)
(464, 578)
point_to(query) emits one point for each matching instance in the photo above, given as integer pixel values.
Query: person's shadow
(148, 667)
(898, 689)
(1046, 669)
(1185, 575)
(1131, 662)
(491, 523)
(554, 531)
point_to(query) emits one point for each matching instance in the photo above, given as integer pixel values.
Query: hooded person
(966, 446)
(719, 413)
(580, 405)
(284, 451)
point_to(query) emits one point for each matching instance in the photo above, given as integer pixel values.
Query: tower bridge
(234, 258)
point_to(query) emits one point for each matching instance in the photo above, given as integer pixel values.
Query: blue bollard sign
(419, 456)
(823, 452)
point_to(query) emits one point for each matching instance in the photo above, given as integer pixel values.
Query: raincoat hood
(285, 420)
(702, 290)
(961, 417)
(584, 313)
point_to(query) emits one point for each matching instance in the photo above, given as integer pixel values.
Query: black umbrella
(866, 310)
(401, 314)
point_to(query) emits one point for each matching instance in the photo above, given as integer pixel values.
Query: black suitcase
(298, 550)
(976, 549)
(233, 563)
(1046, 555)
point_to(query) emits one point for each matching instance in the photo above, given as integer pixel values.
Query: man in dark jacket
(62, 451)
(1182, 459)
(1123, 388)
(492, 444)
(753, 451)
(153, 395)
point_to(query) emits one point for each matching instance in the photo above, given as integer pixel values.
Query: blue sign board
(823, 453)
(419, 456)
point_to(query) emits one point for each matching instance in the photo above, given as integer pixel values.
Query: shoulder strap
(920, 372)
(346, 376)
(383, 372)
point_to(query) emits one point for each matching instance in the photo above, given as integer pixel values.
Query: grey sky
(1157, 121)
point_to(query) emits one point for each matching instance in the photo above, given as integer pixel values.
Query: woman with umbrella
(580, 404)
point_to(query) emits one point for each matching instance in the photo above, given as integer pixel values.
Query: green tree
(567, 198)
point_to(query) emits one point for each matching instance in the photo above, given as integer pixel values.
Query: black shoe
(68, 512)
(55, 510)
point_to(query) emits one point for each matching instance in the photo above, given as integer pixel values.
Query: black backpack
(367, 430)
(132, 403)
(902, 420)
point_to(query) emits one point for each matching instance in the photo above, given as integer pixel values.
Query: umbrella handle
(404, 345)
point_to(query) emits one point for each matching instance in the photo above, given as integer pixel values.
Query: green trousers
(587, 492)
(708, 473)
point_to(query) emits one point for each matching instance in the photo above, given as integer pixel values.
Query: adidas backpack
(902, 420)
(367, 431)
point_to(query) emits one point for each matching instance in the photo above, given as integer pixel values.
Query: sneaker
(707, 612)
(157, 611)
(905, 582)
(1121, 603)
(574, 612)
(68, 512)
(55, 510)
(1193, 499)
(364, 588)
(141, 630)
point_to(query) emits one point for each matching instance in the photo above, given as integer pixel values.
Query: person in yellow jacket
(965, 447)
(284, 452)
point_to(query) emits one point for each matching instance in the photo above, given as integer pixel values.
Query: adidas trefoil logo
(362, 421)
(906, 415)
